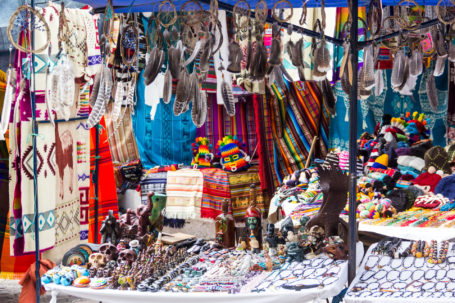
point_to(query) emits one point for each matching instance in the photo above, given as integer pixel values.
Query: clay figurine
(253, 217)
(156, 218)
(254, 243)
(225, 226)
(271, 239)
(110, 229)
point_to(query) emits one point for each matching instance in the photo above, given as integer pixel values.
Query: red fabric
(426, 178)
(107, 190)
(28, 281)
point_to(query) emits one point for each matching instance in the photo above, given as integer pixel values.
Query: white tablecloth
(349, 299)
(411, 233)
(122, 296)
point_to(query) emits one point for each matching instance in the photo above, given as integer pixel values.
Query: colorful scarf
(184, 194)
(215, 190)
(107, 191)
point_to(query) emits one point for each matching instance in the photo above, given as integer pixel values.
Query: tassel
(398, 69)
(275, 52)
(439, 66)
(432, 93)
(322, 58)
(167, 87)
(228, 98)
(235, 58)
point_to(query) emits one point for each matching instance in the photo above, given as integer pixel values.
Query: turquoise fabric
(370, 111)
(165, 140)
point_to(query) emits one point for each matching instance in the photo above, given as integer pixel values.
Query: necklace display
(398, 269)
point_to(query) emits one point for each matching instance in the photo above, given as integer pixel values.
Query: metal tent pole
(95, 177)
(354, 5)
(35, 160)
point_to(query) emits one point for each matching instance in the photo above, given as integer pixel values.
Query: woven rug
(216, 189)
(184, 194)
(107, 191)
(239, 184)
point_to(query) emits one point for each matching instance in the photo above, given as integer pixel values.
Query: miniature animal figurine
(225, 226)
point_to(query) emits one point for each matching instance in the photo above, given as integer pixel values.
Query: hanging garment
(165, 140)
(107, 191)
(184, 194)
(215, 190)
(451, 106)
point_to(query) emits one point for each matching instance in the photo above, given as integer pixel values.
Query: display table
(414, 224)
(335, 274)
(401, 280)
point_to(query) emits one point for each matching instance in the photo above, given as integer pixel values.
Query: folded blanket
(184, 194)
(216, 189)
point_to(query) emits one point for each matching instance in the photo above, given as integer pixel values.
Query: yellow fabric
(383, 159)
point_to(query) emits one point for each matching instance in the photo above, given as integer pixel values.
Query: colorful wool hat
(381, 162)
(232, 157)
(202, 157)
(439, 158)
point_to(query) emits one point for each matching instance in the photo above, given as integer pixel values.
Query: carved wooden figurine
(253, 217)
(225, 227)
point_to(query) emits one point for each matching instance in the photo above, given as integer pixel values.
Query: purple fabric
(403, 151)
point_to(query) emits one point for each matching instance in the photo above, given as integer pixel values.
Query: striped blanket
(107, 191)
(184, 194)
(239, 184)
(216, 189)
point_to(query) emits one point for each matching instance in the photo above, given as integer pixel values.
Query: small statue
(254, 243)
(225, 227)
(143, 212)
(303, 221)
(242, 244)
(110, 229)
(294, 252)
(156, 218)
(253, 217)
(271, 239)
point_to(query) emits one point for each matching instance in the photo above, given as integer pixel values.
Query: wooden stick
(313, 144)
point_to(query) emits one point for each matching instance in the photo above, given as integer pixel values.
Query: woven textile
(107, 191)
(295, 119)
(215, 190)
(184, 194)
(154, 182)
(239, 184)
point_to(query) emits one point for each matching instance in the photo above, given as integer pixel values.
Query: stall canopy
(150, 5)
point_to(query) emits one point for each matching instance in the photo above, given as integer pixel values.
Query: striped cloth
(239, 184)
(107, 191)
(216, 189)
(184, 194)
(295, 119)
(153, 183)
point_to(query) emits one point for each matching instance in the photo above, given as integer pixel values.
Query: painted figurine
(253, 217)
(225, 227)
(271, 239)
(110, 229)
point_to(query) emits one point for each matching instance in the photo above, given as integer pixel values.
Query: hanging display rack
(353, 98)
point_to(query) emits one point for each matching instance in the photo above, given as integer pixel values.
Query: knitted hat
(381, 162)
(451, 152)
(427, 179)
(232, 157)
(343, 160)
(446, 187)
(419, 148)
(202, 156)
(437, 157)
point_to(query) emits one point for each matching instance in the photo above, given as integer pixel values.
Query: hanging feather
(379, 82)
(416, 63)
(328, 96)
(322, 58)
(432, 93)
(235, 58)
(368, 67)
(405, 75)
(409, 85)
(318, 75)
(199, 110)
(440, 43)
(195, 52)
(439, 66)
(167, 87)
(249, 56)
(95, 88)
(167, 36)
(130, 93)
(452, 52)
(118, 100)
(228, 98)
(278, 78)
(181, 94)
(175, 56)
(154, 67)
(205, 56)
(11, 78)
(275, 52)
(344, 61)
(398, 69)
(298, 57)
(103, 97)
(258, 67)
(345, 83)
